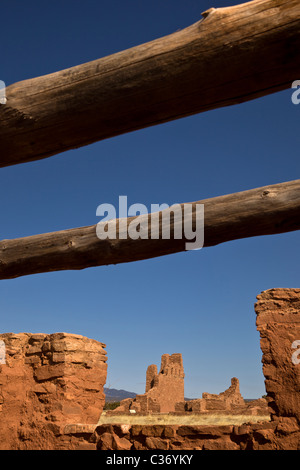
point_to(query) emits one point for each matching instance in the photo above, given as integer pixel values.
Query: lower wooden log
(262, 211)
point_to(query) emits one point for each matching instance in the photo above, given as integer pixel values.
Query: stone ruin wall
(278, 322)
(42, 405)
(163, 390)
(164, 393)
(230, 402)
(167, 387)
(46, 382)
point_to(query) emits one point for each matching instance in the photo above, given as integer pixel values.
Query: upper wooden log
(231, 55)
(262, 211)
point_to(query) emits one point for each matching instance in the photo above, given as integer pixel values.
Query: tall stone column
(278, 322)
(168, 386)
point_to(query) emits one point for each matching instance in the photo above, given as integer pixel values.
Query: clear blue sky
(198, 303)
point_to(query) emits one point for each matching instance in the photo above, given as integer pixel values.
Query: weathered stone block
(48, 372)
(153, 443)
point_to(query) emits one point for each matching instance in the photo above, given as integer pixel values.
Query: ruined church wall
(168, 385)
(163, 390)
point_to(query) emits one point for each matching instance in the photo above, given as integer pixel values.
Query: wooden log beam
(231, 55)
(263, 211)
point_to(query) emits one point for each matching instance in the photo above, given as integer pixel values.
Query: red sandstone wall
(281, 435)
(229, 400)
(39, 395)
(278, 321)
(46, 382)
(163, 390)
(167, 386)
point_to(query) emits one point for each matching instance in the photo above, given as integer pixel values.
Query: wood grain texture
(230, 56)
(262, 211)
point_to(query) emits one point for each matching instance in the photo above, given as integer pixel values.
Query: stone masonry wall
(281, 435)
(167, 387)
(278, 321)
(229, 400)
(163, 390)
(46, 382)
(28, 418)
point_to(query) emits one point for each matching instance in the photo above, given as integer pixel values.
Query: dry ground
(190, 419)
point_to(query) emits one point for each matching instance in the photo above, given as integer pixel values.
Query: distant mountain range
(113, 395)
